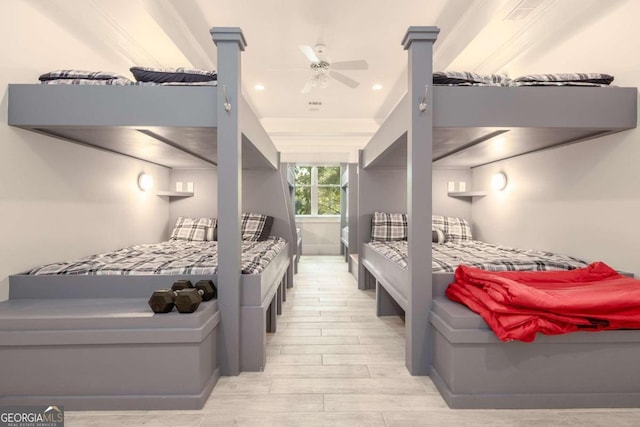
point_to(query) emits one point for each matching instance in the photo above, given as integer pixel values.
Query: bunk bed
(464, 127)
(349, 215)
(344, 211)
(289, 182)
(153, 361)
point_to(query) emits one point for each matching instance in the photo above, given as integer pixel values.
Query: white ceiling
(475, 35)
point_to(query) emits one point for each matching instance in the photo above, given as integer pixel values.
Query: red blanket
(518, 304)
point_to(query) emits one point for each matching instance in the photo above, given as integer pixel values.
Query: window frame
(315, 186)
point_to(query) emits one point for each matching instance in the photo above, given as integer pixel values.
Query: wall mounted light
(145, 182)
(499, 181)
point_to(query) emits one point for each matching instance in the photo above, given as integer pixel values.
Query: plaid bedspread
(170, 257)
(466, 78)
(447, 256)
(122, 82)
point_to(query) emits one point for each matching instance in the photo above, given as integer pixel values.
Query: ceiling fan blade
(360, 64)
(344, 79)
(306, 88)
(309, 53)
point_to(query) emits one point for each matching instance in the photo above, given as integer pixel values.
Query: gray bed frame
(106, 353)
(289, 182)
(349, 212)
(454, 126)
(187, 127)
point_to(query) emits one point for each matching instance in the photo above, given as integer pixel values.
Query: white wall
(320, 236)
(60, 200)
(582, 199)
(204, 202)
(451, 206)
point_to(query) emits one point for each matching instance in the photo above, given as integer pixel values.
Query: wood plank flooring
(334, 363)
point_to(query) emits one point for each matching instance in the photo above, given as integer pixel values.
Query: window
(318, 190)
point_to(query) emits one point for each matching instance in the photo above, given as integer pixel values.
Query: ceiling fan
(322, 68)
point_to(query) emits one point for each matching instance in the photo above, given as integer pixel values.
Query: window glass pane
(303, 175)
(328, 175)
(328, 200)
(303, 200)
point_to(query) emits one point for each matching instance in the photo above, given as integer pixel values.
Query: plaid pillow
(192, 229)
(455, 229)
(172, 75)
(469, 78)
(386, 227)
(254, 226)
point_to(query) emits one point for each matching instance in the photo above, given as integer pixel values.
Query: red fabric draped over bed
(518, 304)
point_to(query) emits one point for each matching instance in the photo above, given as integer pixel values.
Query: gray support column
(230, 43)
(343, 207)
(352, 219)
(293, 240)
(365, 210)
(419, 42)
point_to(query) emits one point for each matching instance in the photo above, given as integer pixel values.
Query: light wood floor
(332, 362)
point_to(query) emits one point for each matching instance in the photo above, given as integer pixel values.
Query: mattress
(447, 256)
(170, 257)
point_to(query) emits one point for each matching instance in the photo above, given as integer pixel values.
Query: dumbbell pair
(182, 295)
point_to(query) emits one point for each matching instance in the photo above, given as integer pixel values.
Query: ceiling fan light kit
(322, 69)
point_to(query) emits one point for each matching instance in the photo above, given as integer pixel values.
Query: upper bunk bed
(476, 125)
(187, 127)
(172, 126)
(458, 127)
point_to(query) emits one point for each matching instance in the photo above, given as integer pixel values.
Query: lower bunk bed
(92, 342)
(472, 368)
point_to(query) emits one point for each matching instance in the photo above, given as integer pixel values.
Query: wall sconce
(499, 181)
(145, 182)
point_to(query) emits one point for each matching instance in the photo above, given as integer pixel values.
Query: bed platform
(106, 353)
(472, 368)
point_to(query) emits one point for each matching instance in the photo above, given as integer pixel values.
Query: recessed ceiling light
(376, 86)
(259, 87)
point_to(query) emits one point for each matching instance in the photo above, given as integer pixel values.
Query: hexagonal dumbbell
(182, 295)
(162, 300)
(188, 299)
